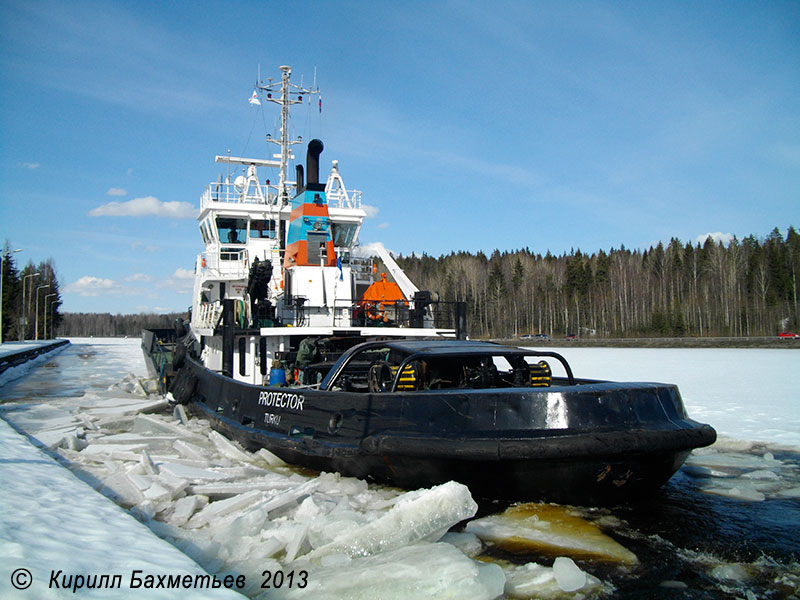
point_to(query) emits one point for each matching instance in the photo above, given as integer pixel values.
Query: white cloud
(146, 207)
(90, 286)
(96, 286)
(716, 237)
(30, 165)
(372, 211)
(181, 281)
(116, 192)
(383, 225)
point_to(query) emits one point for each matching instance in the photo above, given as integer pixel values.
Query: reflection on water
(726, 526)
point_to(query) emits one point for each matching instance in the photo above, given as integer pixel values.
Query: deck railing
(268, 195)
(227, 263)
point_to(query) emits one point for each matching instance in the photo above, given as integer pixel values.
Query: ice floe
(745, 473)
(549, 529)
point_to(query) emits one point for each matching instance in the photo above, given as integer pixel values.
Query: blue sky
(467, 125)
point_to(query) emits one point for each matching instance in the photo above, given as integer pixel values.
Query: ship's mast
(289, 94)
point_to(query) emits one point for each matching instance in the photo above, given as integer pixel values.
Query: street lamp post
(25, 307)
(45, 316)
(41, 287)
(3, 256)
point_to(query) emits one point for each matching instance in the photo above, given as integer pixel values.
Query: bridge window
(262, 229)
(343, 234)
(232, 231)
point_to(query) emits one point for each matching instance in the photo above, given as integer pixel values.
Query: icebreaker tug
(299, 345)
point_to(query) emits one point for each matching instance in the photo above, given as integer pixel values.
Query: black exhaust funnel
(315, 148)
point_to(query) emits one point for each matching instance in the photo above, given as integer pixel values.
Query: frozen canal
(726, 526)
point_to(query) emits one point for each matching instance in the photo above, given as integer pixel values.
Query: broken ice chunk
(530, 580)
(552, 529)
(762, 474)
(119, 487)
(270, 458)
(790, 492)
(179, 413)
(734, 460)
(698, 471)
(190, 450)
(568, 575)
(185, 507)
(731, 572)
(295, 544)
(87, 422)
(291, 496)
(223, 507)
(537, 581)
(422, 515)
(194, 474)
(421, 570)
(469, 543)
(148, 464)
(739, 492)
(228, 448)
(110, 449)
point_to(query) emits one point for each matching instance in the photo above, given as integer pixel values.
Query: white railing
(227, 263)
(234, 194)
(208, 315)
(268, 194)
(342, 199)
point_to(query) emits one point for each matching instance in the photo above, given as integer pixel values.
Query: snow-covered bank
(52, 522)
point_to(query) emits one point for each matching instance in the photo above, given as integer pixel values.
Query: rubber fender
(183, 386)
(179, 357)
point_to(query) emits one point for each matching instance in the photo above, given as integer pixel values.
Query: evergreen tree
(10, 297)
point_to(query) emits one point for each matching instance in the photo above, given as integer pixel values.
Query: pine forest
(744, 288)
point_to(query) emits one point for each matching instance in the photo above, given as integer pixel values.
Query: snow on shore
(52, 522)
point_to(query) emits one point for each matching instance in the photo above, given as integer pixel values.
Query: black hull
(592, 443)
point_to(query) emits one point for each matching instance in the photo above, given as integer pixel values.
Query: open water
(726, 526)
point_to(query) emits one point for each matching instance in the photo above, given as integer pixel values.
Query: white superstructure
(278, 297)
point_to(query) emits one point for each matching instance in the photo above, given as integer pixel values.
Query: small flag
(339, 266)
(254, 99)
(320, 104)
